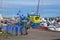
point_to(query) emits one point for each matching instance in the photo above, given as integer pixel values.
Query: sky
(47, 8)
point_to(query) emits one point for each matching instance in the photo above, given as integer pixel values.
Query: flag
(17, 13)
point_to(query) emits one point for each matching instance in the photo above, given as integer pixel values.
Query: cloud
(29, 3)
(19, 3)
(50, 2)
(51, 10)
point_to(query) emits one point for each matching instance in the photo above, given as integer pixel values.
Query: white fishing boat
(54, 28)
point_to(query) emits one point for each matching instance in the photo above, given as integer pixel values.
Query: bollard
(14, 30)
(19, 30)
(24, 31)
(9, 29)
(4, 29)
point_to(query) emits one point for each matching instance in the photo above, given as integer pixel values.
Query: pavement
(36, 35)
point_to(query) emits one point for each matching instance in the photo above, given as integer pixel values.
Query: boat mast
(38, 7)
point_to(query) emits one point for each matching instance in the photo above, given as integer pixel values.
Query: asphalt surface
(36, 35)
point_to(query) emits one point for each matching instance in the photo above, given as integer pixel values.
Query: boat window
(5, 22)
(36, 18)
(1, 21)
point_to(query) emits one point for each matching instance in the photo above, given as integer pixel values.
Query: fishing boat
(54, 28)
